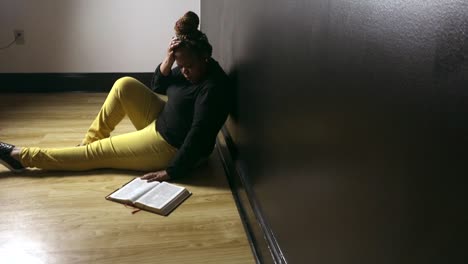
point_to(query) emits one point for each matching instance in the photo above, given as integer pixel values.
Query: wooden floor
(62, 217)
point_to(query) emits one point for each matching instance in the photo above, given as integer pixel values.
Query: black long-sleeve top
(193, 114)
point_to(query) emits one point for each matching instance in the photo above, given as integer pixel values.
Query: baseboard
(263, 243)
(65, 82)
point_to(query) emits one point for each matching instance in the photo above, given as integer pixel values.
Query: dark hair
(186, 30)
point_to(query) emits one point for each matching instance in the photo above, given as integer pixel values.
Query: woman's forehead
(185, 57)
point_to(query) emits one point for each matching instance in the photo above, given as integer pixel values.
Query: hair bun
(187, 25)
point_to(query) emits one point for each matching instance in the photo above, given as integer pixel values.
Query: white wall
(88, 35)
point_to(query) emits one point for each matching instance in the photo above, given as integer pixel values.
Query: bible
(156, 197)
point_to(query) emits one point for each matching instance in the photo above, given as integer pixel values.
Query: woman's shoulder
(217, 76)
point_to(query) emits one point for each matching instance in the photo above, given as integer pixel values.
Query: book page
(161, 195)
(133, 190)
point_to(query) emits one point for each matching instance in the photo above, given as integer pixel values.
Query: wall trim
(262, 240)
(64, 82)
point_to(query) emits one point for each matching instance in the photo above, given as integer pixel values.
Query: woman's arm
(166, 65)
(210, 113)
(209, 116)
(161, 78)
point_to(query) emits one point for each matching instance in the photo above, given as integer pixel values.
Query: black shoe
(7, 160)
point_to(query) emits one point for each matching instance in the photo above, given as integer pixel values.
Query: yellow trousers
(142, 150)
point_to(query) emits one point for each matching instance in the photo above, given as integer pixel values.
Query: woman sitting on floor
(171, 138)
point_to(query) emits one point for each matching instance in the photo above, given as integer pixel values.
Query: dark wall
(352, 121)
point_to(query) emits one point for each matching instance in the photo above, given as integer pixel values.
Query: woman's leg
(128, 96)
(142, 150)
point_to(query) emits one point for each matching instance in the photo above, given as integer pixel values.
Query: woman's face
(192, 66)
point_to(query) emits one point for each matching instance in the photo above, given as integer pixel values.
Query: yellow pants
(142, 150)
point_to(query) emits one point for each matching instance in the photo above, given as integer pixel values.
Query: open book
(157, 197)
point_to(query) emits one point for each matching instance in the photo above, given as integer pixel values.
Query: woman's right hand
(166, 65)
(175, 42)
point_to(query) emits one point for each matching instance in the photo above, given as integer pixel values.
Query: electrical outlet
(19, 36)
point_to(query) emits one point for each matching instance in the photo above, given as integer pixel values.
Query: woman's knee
(123, 84)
